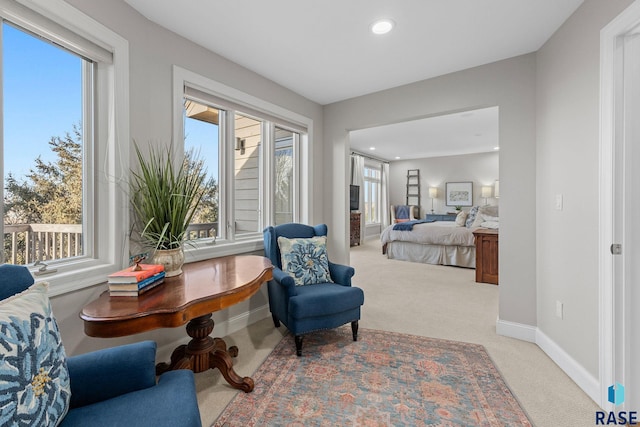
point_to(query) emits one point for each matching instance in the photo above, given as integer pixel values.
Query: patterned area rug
(383, 379)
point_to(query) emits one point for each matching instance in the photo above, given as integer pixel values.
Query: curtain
(357, 178)
(384, 195)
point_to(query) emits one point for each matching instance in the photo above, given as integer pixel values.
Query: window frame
(270, 114)
(105, 219)
(378, 181)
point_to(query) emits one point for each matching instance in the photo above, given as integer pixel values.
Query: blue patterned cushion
(473, 212)
(34, 380)
(305, 260)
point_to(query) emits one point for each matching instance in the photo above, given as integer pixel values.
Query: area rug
(383, 379)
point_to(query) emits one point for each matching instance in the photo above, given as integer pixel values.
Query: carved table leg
(204, 352)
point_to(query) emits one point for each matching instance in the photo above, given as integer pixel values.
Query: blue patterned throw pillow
(473, 212)
(34, 380)
(305, 260)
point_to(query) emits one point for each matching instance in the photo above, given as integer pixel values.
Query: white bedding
(444, 233)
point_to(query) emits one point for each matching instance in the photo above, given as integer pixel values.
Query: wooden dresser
(354, 233)
(486, 255)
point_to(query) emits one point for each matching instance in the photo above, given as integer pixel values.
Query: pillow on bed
(471, 216)
(461, 218)
(490, 224)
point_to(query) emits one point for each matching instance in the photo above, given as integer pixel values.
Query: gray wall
(508, 84)
(567, 163)
(153, 50)
(552, 96)
(481, 169)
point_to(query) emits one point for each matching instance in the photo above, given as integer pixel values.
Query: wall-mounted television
(354, 197)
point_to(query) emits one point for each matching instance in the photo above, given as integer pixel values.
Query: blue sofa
(117, 386)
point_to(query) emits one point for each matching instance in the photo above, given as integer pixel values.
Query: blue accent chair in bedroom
(309, 308)
(117, 386)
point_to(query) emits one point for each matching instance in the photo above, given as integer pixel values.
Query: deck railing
(28, 243)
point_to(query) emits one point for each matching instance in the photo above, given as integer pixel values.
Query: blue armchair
(117, 386)
(309, 308)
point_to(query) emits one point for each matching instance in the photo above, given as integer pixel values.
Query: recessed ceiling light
(496, 148)
(382, 26)
(372, 148)
(397, 157)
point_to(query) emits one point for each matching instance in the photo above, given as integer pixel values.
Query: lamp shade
(433, 192)
(496, 189)
(486, 192)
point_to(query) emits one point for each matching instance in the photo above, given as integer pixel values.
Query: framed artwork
(459, 193)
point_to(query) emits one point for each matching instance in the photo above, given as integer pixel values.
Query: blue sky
(43, 99)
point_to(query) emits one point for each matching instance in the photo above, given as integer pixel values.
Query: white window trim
(374, 166)
(110, 213)
(206, 248)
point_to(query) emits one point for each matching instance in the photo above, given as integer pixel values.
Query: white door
(628, 204)
(620, 209)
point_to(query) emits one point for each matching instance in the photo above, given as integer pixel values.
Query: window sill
(209, 249)
(82, 274)
(74, 276)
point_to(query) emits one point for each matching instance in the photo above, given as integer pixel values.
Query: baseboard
(241, 321)
(587, 382)
(516, 330)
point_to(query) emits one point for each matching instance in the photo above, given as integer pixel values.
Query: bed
(439, 242)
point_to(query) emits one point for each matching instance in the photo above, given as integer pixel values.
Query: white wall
(509, 85)
(153, 52)
(481, 169)
(567, 163)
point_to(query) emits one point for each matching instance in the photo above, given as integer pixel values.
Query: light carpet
(431, 301)
(383, 379)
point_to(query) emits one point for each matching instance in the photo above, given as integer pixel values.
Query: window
(44, 139)
(63, 197)
(371, 194)
(253, 157)
(284, 196)
(202, 139)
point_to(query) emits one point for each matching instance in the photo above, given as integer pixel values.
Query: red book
(129, 276)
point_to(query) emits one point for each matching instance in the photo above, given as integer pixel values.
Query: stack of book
(130, 283)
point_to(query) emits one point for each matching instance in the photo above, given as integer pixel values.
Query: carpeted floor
(429, 301)
(383, 379)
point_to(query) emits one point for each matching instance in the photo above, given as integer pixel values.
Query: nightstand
(486, 255)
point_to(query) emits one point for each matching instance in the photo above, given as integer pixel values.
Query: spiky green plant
(165, 197)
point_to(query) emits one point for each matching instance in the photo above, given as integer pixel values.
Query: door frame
(611, 139)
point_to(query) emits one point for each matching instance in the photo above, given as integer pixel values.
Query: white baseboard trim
(587, 382)
(516, 330)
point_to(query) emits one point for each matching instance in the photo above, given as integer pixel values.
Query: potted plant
(164, 198)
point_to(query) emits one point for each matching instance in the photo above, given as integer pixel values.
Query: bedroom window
(58, 144)
(252, 159)
(372, 194)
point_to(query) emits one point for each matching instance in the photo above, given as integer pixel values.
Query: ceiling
(324, 51)
(447, 135)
